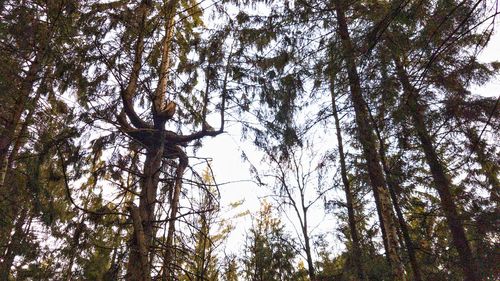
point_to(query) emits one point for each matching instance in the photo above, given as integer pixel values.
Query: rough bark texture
(368, 143)
(441, 179)
(140, 250)
(139, 266)
(356, 246)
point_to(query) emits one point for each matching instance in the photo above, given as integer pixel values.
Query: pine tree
(269, 252)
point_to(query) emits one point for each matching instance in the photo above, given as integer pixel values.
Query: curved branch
(183, 163)
(129, 92)
(68, 192)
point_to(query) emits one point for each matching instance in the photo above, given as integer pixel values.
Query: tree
(202, 261)
(269, 252)
(368, 142)
(350, 197)
(141, 66)
(106, 103)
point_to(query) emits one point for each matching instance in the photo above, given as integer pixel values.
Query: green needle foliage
(377, 149)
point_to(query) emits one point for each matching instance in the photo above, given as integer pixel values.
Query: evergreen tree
(269, 253)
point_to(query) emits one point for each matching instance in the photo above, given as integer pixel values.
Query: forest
(369, 143)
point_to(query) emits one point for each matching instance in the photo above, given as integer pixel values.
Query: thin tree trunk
(8, 132)
(174, 207)
(138, 271)
(307, 244)
(161, 90)
(441, 179)
(383, 229)
(368, 143)
(15, 242)
(393, 186)
(356, 246)
(139, 265)
(490, 168)
(392, 182)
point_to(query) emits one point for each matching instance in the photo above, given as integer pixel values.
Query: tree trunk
(307, 245)
(356, 246)
(7, 133)
(368, 143)
(174, 207)
(15, 241)
(393, 186)
(441, 179)
(139, 271)
(139, 265)
(392, 182)
(489, 167)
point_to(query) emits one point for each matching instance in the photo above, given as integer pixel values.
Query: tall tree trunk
(393, 186)
(174, 208)
(356, 246)
(489, 167)
(391, 179)
(7, 133)
(15, 241)
(368, 143)
(307, 244)
(139, 265)
(441, 179)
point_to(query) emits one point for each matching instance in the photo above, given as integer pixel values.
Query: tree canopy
(378, 158)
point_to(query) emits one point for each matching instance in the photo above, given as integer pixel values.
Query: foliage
(105, 105)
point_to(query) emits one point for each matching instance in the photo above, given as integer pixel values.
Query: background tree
(269, 252)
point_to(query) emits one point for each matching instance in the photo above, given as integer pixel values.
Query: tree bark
(356, 246)
(159, 97)
(393, 186)
(368, 143)
(139, 265)
(441, 179)
(15, 241)
(138, 271)
(174, 208)
(8, 132)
